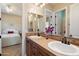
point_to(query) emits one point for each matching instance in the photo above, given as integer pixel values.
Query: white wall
(0, 32)
(74, 20)
(24, 28)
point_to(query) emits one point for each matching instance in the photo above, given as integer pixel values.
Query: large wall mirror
(36, 22)
(65, 21)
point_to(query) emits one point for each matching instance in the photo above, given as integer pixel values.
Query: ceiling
(51, 6)
(54, 6)
(15, 8)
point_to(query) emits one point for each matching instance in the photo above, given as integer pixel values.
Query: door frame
(66, 21)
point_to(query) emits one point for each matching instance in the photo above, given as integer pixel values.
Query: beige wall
(11, 20)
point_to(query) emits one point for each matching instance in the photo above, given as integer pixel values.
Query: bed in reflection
(10, 37)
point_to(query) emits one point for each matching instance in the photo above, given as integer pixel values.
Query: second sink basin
(63, 48)
(35, 37)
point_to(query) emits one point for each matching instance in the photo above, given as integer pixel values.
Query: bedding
(10, 39)
(7, 31)
(10, 35)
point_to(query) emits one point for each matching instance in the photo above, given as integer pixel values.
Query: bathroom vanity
(40, 46)
(34, 48)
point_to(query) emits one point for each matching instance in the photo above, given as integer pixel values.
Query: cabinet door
(42, 52)
(33, 47)
(74, 20)
(27, 47)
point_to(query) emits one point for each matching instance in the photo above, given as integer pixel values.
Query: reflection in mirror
(11, 29)
(36, 22)
(49, 27)
(60, 22)
(42, 22)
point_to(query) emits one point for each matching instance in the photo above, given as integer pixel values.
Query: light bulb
(9, 9)
(42, 5)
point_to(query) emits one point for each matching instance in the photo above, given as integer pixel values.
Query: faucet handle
(70, 35)
(63, 39)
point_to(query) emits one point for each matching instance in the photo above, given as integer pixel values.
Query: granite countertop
(43, 42)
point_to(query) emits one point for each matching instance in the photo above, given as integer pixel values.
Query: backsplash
(55, 37)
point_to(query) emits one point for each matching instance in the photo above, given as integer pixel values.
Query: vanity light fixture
(40, 4)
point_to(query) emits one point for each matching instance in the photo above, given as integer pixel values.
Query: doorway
(60, 17)
(11, 29)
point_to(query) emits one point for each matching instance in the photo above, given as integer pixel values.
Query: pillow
(7, 31)
(10, 32)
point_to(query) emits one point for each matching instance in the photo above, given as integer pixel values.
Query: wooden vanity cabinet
(33, 49)
(28, 47)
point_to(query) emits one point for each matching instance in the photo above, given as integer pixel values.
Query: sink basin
(35, 37)
(63, 48)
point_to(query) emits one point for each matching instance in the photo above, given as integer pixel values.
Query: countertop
(43, 42)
